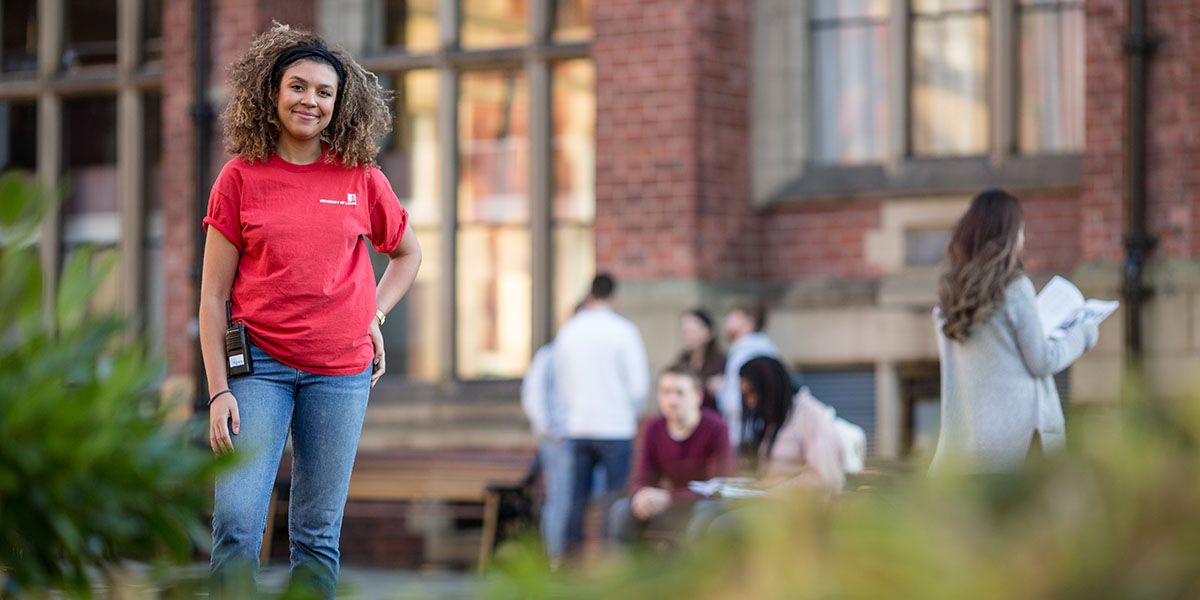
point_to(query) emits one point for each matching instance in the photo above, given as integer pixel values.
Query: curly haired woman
(998, 394)
(285, 227)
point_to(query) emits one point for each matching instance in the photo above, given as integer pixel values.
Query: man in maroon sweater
(683, 444)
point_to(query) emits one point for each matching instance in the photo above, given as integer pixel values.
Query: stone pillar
(888, 411)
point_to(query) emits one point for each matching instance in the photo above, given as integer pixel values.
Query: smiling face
(307, 92)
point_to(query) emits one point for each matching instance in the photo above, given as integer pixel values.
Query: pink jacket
(809, 439)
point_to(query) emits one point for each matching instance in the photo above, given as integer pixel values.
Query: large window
(916, 96)
(100, 138)
(492, 154)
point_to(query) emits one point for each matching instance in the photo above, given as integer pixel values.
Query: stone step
(425, 422)
(457, 436)
(415, 413)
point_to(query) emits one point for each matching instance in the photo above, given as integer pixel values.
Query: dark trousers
(614, 456)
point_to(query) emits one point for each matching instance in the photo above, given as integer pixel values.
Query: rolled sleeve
(388, 218)
(224, 213)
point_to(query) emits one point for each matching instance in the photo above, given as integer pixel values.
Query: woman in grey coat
(998, 394)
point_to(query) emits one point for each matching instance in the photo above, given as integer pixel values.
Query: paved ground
(376, 584)
(357, 583)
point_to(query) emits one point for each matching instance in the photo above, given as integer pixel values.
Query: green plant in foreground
(1117, 515)
(91, 471)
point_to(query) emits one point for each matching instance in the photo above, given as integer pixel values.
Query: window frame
(902, 173)
(449, 61)
(130, 81)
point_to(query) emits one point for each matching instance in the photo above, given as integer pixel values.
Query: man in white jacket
(743, 325)
(603, 377)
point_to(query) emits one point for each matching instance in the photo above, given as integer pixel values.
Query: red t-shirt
(304, 285)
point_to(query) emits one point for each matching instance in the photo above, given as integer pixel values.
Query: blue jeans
(614, 456)
(324, 414)
(557, 461)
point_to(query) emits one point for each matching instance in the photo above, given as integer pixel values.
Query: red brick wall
(826, 239)
(178, 187)
(730, 240)
(1052, 230)
(1173, 121)
(1173, 152)
(672, 178)
(829, 239)
(1102, 219)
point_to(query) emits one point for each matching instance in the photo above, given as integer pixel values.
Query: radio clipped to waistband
(237, 345)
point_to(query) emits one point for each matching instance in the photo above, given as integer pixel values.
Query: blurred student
(744, 326)
(702, 352)
(684, 443)
(998, 394)
(789, 439)
(548, 417)
(603, 376)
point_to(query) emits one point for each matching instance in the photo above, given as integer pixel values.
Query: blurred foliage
(1116, 515)
(91, 471)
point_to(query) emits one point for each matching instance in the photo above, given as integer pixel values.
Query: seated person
(683, 444)
(790, 439)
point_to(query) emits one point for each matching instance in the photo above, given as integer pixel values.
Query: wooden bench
(412, 476)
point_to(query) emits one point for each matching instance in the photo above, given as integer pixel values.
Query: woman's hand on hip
(223, 416)
(378, 364)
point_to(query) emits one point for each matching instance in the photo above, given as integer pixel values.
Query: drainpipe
(1139, 243)
(202, 116)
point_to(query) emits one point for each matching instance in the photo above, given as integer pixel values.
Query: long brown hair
(982, 260)
(252, 126)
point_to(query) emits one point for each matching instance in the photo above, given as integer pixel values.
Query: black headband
(320, 53)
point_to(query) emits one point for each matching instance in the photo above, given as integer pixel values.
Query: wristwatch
(379, 315)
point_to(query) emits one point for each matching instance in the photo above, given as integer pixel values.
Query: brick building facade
(684, 145)
(811, 153)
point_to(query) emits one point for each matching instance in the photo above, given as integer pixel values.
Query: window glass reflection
(90, 33)
(90, 210)
(1052, 63)
(494, 23)
(851, 80)
(18, 136)
(410, 160)
(493, 268)
(950, 73)
(411, 25)
(573, 20)
(18, 36)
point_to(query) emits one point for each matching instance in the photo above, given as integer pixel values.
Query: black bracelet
(218, 395)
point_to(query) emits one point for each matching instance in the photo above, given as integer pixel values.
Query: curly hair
(983, 259)
(252, 127)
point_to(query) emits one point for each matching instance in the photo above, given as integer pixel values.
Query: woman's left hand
(378, 365)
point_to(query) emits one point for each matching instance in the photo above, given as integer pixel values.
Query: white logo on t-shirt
(351, 200)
